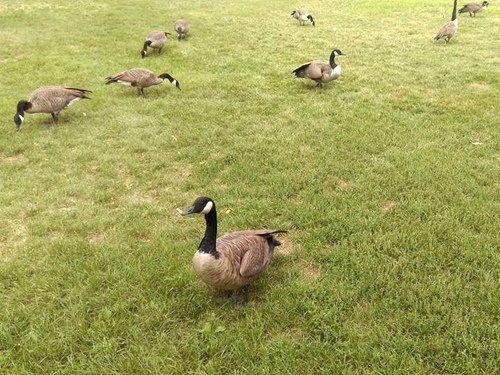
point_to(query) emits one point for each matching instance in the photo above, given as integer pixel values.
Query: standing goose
(141, 78)
(302, 15)
(48, 99)
(321, 71)
(233, 260)
(473, 8)
(181, 27)
(449, 28)
(155, 40)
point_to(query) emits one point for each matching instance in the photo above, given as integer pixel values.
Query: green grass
(387, 180)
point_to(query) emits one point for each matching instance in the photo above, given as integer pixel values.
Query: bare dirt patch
(388, 205)
(309, 270)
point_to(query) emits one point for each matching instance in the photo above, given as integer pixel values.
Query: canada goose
(449, 29)
(233, 260)
(141, 78)
(321, 71)
(182, 29)
(155, 40)
(48, 99)
(302, 15)
(473, 8)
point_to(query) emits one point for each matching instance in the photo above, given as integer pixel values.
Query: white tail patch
(207, 208)
(73, 101)
(124, 82)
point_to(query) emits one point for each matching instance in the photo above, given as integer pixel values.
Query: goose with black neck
(449, 29)
(232, 261)
(321, 71)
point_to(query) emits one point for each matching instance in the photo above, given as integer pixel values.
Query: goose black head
(22, 106)
(337, 52)
(485, 3)
(144, 51)
(201, 205)
(293, 13)
(172, 80)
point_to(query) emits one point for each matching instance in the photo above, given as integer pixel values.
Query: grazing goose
(302, 15)
(141, 78)
(155, 40)
(48, 99)
(233, 260)
(181, 27)
(449, 29)
(321, 71)
(473, 8)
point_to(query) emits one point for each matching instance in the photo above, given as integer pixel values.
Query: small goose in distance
(233, 260)
(49, 99)
(321, 71)
(473, 8)
(141, 78)
(302, 16)
(181, 27)
(449, 29)
(155, 40)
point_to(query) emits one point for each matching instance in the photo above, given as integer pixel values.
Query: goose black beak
(188, 211)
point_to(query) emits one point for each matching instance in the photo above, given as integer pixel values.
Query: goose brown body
(49, 99)
(155, 40)
(242, 257)
(140, 78)
(182, 29)
(137, 77)
(473, 8)
(53, 99)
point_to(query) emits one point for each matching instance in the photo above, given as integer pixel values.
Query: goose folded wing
(256, 258)
(316, 69)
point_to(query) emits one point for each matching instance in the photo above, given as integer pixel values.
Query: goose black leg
(245, 290)
(159, 51)
(55, 117)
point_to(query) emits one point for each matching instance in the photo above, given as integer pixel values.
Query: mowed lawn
(388, 181)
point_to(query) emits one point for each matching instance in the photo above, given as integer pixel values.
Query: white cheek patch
(21, 117)
(124, 82)
(207, 208)
(174, 82)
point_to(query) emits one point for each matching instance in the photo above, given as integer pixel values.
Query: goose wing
(157, 38)
(314, 70)
(448, 29)
(253, 248)
(55, 98)
(470, 7)
(133, 76)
